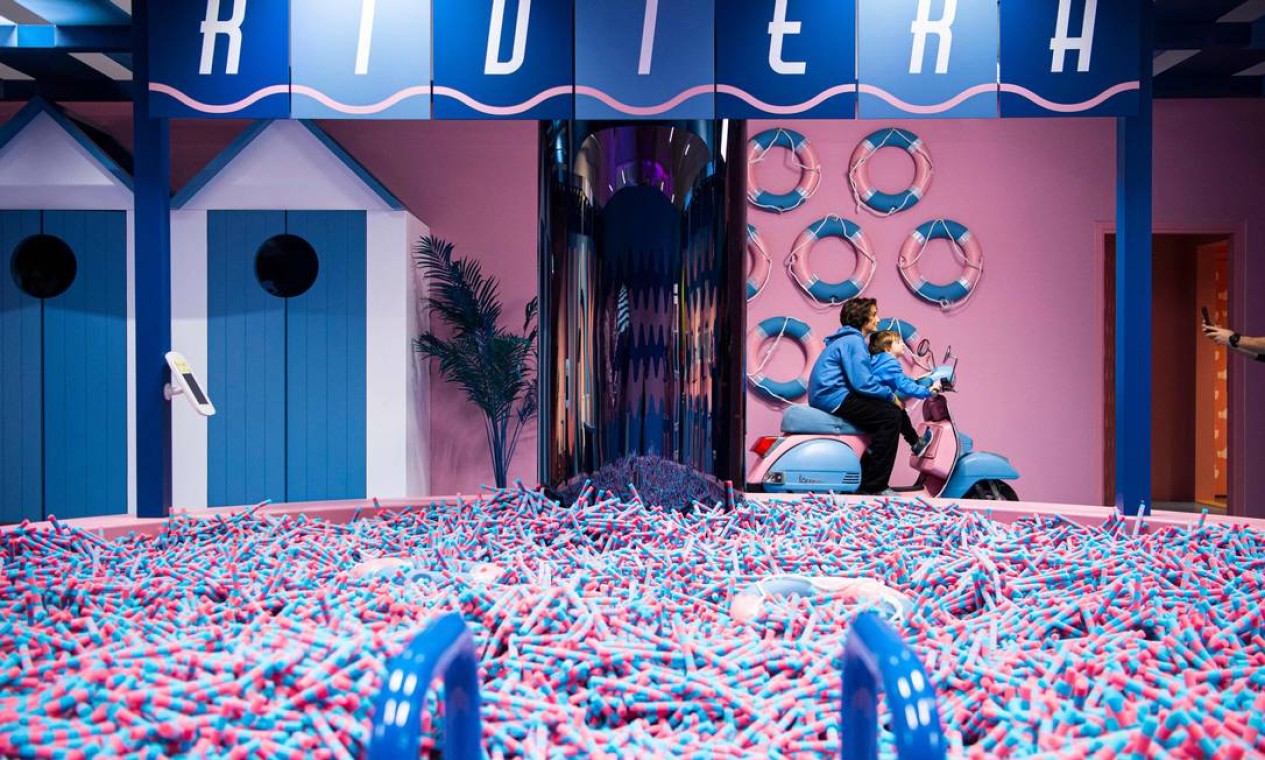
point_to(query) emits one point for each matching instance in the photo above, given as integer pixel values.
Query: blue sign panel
(503, 59)
(928, 58)
(1069, 57)
(791, 58)
(219, 58)
(645, 59)
(360, 59)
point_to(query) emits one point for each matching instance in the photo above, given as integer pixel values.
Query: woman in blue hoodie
(843, 384)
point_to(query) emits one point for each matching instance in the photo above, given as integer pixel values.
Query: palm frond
(494, 368)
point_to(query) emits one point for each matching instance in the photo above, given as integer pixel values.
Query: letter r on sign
(212, 27)
(942, 29)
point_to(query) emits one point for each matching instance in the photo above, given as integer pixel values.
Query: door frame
(1236, 388)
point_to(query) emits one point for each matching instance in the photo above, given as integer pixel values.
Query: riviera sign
(630, 59)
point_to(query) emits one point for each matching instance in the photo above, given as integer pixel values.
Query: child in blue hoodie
(886, 348)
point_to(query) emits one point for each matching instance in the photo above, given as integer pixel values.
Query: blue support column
(152, 283)
(1133, 290)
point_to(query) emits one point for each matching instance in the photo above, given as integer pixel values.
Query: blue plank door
(85, 370)
(21, 383)
(63, 374)
(287, 376)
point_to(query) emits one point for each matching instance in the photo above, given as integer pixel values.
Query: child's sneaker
(922, 443)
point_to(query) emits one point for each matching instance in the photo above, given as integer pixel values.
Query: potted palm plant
(494, 366)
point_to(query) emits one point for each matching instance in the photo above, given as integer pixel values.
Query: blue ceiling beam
(68, 39)
(94, 12)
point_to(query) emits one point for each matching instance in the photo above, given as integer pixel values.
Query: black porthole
(286, 266)
(43, 266)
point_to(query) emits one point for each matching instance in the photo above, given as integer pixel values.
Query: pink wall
(1210, 177)
(1174, 331)
(1036, 192)
(1030, 339)
(474, 184)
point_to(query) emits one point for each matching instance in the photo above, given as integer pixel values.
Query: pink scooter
(821, 453)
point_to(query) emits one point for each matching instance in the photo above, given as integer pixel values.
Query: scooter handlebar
(943, 374)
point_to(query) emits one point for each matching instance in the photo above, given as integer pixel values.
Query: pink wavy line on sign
(526, 105)
(953, 102)
(197, 105)
(1084, 105)
(680, 98)
(379, 107)
(816, 100)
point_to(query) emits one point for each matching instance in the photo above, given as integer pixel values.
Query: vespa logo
(806, 479)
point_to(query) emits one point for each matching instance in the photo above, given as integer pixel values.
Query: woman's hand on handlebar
(936, 387)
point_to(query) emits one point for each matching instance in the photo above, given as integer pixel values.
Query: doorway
(1190, 408)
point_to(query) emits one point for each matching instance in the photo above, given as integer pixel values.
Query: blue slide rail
(444, 649)
(873, 651)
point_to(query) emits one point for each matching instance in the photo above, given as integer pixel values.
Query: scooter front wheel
(992, 490)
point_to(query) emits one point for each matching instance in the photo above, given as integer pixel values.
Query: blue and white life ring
(775, 329)
(815, 287)
(761, 263)
(965, 245)
(809, 170)
(863, 190)
(907, 332)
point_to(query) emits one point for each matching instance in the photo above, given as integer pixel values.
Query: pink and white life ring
(775, 329)
(952, 294)
(866, 194)
(832, 292)
(761, 263)
(809, 166)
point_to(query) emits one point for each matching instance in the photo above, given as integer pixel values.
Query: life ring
(775, 328)
(967, 247)
(761, 263)
(907, 332)
(874, 200)
(809, 170)
(832, 292)
(924, 360)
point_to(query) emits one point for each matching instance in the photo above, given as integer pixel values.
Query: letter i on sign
(365, 41)
(647, 37)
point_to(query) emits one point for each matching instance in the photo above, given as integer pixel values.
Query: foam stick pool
(603, 629)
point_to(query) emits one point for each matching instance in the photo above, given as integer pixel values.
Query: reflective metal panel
(642, 295)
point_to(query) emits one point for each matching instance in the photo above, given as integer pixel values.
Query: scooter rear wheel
(992, 490)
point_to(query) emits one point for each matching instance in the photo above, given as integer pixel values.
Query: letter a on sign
(1070, 57)
(928, 58)
(360, 59)
(219, 58)
(1084, 44)
(503, 59)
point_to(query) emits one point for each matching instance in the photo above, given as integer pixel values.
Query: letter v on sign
(503, 59)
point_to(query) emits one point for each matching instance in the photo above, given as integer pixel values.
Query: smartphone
(1207, 319)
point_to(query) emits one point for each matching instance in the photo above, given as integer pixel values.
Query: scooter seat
(802, 419)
